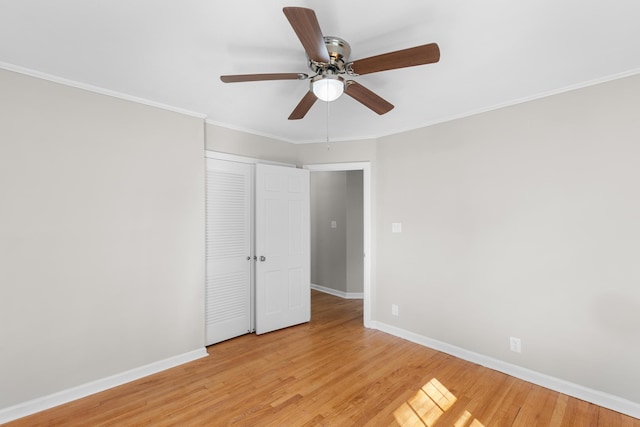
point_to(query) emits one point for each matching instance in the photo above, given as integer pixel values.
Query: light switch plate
(334, 224)
(396, 227)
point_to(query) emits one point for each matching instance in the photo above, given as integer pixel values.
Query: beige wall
(338, 152)
(521, 222)
(101, 236)
(329, 245)
(231, 141)
(517, 222)
(355, 232)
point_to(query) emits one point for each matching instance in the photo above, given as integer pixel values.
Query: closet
(257, 247)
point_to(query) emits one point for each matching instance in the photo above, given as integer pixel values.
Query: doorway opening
(337, 262)
(343, 271)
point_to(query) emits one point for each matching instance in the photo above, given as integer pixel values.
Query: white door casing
(283, 293)
(365, 167)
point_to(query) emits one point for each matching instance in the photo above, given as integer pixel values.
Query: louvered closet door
(228, 274)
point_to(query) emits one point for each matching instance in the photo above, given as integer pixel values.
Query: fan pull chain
(328, 146)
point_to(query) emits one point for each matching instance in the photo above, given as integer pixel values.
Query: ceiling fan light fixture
(328, 59)
(328, 87)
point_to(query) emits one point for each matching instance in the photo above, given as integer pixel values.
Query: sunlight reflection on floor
(427, 406)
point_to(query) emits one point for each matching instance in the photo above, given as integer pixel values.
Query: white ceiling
(493, 53)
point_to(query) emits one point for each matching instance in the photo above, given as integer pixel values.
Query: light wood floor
(329, 372)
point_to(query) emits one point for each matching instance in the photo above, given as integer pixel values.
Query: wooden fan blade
(419, 55)
(305, 24)
(367, 98)
(303, 106)
(259, 77)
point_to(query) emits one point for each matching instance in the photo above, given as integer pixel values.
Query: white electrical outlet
(394, 309)
(515, 344)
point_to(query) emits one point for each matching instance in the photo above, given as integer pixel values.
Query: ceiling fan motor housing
(339, 51)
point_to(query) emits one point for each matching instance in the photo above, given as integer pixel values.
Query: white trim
(578, 391)
(588, 83)
(108, 92)
(210, 154)
(286, 140)
(46, 402)
(514, 102)
(337, 293)
(97, 89)
(365, 167)
(250, 131)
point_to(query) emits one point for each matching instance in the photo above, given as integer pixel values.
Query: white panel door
(228, 239)
(283, 292)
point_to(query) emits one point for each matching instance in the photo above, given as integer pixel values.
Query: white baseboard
(599, 398)
(336, 293)
(46, 402)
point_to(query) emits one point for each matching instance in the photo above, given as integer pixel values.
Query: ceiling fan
(329, 61)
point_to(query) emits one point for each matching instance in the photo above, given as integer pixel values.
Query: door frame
(365, 167)
(217, 155)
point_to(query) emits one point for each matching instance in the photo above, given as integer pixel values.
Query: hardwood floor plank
(329, 372)
(609, 418)
(512, 404)
(559, 410)
(579, 413)
(537, 408)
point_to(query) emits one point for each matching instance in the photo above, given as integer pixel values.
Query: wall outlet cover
(515, 344)
(394, 309)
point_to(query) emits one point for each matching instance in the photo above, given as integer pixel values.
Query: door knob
(263, 258)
